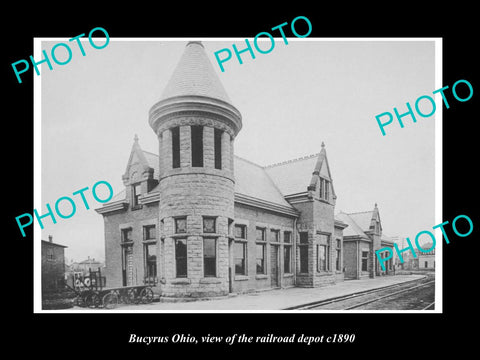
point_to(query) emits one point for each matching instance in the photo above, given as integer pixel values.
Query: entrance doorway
(275, 266)
(127, 276)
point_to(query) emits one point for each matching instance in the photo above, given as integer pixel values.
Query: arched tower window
(218, 148)
(197, 145)
(176, 147)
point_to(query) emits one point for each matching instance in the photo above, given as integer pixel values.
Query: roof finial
(323, 144)
(135, 138)
(195, 42)
(375, 205)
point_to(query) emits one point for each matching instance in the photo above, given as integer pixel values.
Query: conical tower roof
(195, 75)
(194, 89)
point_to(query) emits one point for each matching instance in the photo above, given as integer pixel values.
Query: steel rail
(349, 296)
(388, 295)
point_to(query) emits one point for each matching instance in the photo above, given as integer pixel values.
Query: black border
(382, 334)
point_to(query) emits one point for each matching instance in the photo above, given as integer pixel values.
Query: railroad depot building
(362, 237)
(198, 221)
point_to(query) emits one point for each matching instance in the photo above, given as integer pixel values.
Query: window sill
(181, 282)
(303, 274)
(210, 280)
(150, 241)
(261, 276)
(289, 275)
(241, 277)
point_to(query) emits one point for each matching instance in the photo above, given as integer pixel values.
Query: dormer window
(136, 193)
(324, 189)
(127, 235)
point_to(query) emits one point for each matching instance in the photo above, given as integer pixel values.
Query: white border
(438, 184)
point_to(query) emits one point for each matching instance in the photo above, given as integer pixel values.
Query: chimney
(50, 237)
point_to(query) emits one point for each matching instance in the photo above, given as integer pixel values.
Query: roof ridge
(152, 153)
(292, 160)
(249, 161)
(359, 212)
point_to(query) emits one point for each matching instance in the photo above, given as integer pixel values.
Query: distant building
(361, 239)
(53, 265)
(421, 260)
(86, 265)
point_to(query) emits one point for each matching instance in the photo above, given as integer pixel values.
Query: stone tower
(196, 125)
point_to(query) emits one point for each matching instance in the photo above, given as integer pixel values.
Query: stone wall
(252, 218)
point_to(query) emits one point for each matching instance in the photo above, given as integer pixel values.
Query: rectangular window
(321, 187)
(275, 235)
(321, 257)
(325, 240)
(218, 148)
(50, 255)
(327, 185)
(150, 261)
(364, 260)
(176, 147)
(197, 145)
(260, 256)
(127, 235)
(287, 237)
(181, 257)
(209, 258)
(303, 250)
(240, 232)
(181, 225)
(136, 192)
(287, 259)
(239, 254)
(149, 232)
(426, 264)
(209, 225)
(260, 234)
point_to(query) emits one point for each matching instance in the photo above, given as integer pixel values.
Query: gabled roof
(294, 176)
(146, 159)
(45, 242)
(387, 239)
(195, 75)
(300, 175)
(362, 219)
(359, 223)
(120, 196)
(353, 228)
(252, 180)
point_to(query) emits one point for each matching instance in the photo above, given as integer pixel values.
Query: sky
(291, 100)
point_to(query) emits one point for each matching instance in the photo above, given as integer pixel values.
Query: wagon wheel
(110, 300)
(132, 297)
(84, 298)
(93, 300)
(146, 295)
(80, 301)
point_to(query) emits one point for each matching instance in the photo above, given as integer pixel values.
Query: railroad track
(367, 297)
